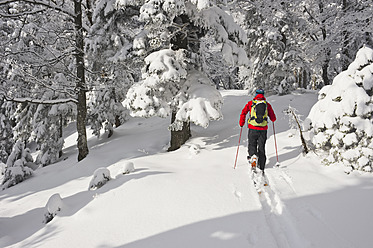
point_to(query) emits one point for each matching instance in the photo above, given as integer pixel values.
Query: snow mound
(100, 177)
(194, 149)
(128, 167)
(54, 205)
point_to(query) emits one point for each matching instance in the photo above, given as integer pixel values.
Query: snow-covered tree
(272, 46)
(106, 110)
(17, 166)
(223, 74)
(110, 53)
(48, 123)
(332, 32)
(45, 38)
(174, 82)
(342, 119)
(6, 133)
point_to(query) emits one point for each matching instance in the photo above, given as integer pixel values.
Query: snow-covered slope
(191, 197)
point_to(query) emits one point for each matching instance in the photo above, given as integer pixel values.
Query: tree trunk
(345, 36)
(80, 85)
(178, 138)
(61, 134)
(304, 144)
(325, 64)
(304, 79)
(324, 75)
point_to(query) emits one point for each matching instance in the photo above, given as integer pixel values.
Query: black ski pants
(257, 141)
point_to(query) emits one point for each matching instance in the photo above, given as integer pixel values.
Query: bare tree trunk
(81, 84)
(178, 138)
(304, 144)
(61, 134)
(326, 61)
(304, 79)
(325, 67)
(345, 33)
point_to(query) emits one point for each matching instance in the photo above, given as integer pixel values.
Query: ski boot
(252, 161)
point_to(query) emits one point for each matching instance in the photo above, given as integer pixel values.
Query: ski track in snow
(281, 223)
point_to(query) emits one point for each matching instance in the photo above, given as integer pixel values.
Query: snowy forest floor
(193, 197)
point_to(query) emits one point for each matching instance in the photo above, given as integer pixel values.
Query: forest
(96, 63)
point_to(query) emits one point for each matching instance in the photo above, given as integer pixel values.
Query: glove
(242, 123)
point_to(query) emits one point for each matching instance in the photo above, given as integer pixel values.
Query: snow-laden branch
(47, 4)
(37, 101)
(70, 92)
(22, 14)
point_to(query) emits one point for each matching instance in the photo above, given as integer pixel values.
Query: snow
(128, 167)
(100, 177)
(54, 205)
(191, 197)
(342, 117)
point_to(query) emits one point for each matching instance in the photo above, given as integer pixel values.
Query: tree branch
(37, 101)
(42, 3)
(21, 14)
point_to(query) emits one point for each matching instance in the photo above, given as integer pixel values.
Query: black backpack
(259, 113)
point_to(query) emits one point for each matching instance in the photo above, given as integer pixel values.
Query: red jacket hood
(260, 97)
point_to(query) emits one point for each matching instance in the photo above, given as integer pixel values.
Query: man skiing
(259, 110)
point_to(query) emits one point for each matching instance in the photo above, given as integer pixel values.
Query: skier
(259, 110)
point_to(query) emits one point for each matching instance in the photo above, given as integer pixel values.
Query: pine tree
(6, 133)
(272, 47)
(48, 123)
(16, 166)
(110, 53)
(174, 82)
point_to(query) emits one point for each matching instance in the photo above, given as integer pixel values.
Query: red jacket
(247, 109)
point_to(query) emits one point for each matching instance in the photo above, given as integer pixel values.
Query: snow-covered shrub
(16, 170)
(54, 205)
(194, 149)
(100, 177)
(342, 119)
(128, 167)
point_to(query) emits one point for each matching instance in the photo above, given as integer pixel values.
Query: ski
(259, 179)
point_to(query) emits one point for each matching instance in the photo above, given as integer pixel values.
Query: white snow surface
(192, 197)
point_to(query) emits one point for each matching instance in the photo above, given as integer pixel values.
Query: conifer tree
(110, 54)
(6, 133)
(174, 82)
(17, 169)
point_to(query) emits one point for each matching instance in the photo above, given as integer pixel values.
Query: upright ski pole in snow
(274, 136)
(239, 140)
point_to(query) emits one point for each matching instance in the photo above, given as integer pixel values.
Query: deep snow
(192, 197)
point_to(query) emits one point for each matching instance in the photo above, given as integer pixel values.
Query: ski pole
(274, 136)
(239, 140)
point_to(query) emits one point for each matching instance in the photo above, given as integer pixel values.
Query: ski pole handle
(239, 140)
